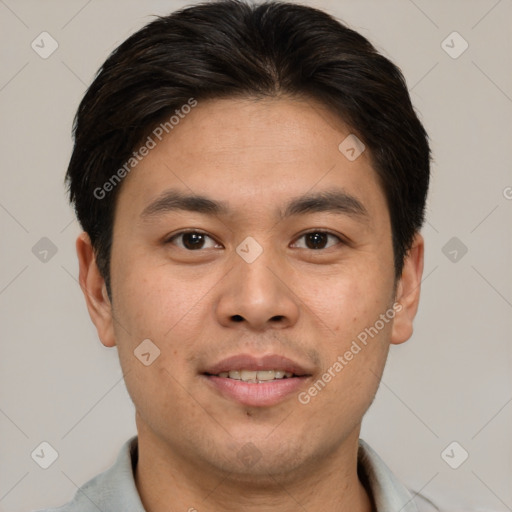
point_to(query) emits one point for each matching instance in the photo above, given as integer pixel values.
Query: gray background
(450, 382)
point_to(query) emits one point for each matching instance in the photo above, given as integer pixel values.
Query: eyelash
(315, 231)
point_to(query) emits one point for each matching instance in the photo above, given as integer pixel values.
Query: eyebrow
(332, 201)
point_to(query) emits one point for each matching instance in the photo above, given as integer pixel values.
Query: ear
(94, 290)
(408, 292)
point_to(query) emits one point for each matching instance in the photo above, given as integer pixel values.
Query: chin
(262, 461)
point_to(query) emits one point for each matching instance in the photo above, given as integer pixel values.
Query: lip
(264, 394)
(250, 394)
(255, 363)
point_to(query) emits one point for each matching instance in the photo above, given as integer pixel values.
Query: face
(247, 246)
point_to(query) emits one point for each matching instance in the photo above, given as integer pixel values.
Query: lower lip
(252, 394)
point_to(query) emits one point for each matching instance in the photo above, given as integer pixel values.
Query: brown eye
(192, 240)
(316, 240)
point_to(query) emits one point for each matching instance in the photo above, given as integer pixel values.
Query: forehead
(271, 130)
(252, 153)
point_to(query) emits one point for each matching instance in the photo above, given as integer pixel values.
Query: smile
(256, 377)
(257, 381)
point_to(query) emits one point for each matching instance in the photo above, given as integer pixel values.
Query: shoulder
(114, 489)
(387, 491)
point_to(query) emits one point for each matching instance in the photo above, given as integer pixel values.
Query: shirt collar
(386, 491)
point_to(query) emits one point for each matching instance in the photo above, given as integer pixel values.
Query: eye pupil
(316, 240)
(193, 240)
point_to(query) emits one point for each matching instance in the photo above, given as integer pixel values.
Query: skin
(199, 306)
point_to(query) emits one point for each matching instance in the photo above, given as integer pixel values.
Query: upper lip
(257, 363)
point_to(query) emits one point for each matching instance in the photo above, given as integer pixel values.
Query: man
(251, 181)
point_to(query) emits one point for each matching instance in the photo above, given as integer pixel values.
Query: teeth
(248, 375)
(266, 375)
(256, 376)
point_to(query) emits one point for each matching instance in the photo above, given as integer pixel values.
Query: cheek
(357, 341)
(157, 301)
(168, 307)
(150, 305)
(348, 302)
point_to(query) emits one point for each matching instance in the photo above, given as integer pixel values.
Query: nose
(258, 295)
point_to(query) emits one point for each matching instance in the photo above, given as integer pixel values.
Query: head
(287, 148)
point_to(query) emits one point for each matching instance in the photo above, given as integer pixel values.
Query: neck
(166, 480)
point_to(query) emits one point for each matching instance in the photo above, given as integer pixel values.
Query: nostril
(237, 318)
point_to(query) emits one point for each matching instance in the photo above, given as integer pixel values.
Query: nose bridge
(255, 291)
(256, 277)
(256, 281)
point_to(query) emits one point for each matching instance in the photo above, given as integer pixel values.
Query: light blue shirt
(114, 490)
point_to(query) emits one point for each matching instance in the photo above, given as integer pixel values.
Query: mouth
(256, 376)
(256, 381)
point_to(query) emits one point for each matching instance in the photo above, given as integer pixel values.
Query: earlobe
(94, 290)
(408, 292)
